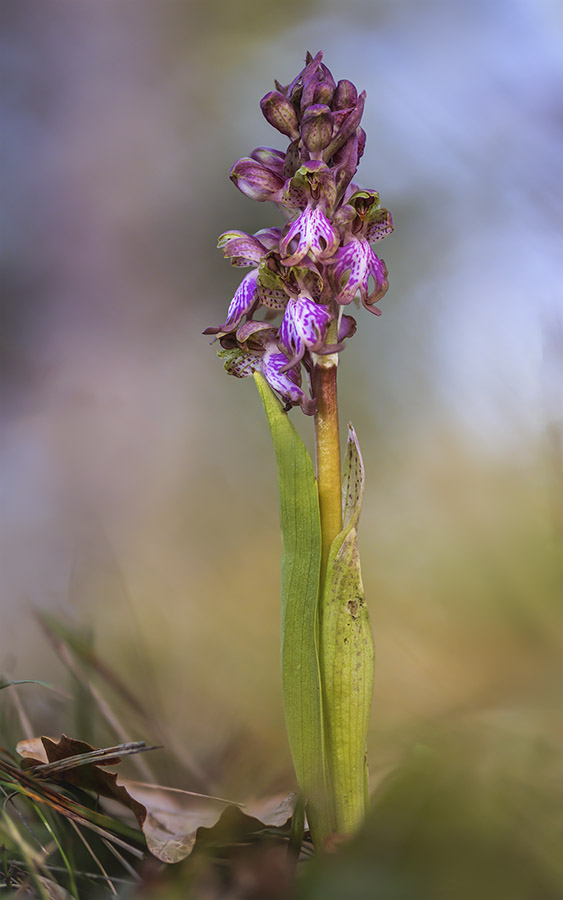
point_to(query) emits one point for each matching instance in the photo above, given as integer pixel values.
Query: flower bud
(279, 112)
(348, 127)
(272, 159)
(345, 95)
(319, 88)
(295, 89)
(255, 180)
(316, 128)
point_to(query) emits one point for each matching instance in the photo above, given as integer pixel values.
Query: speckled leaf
(301, 557)
(347, 655)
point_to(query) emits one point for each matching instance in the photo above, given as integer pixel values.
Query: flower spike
(287, 312)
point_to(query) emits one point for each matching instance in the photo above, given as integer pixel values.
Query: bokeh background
(137, 480)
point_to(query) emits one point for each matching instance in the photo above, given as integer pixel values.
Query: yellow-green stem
(327, 441)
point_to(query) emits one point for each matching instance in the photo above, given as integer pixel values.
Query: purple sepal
(346, 162)
(362, 138)
(269, 237)
(241, 248)
(314, 233)
(256, 181)
(347, 128)
(279, 112)
(303, 326)
(254, 332)
(274, 160)
(318, 88)
(293, 90)
(359, 262)
(347, 327)
(286, 382)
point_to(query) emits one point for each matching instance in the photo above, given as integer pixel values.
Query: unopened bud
(319, 88)
(345, 95)
(279, 112)
(255, 180)
(272, 159)
(316, 128)
(348, 127)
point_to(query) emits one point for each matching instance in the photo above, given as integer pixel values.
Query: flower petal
(314, 233)
(353, 259)
(269, 237)
(286, 383)
(256, 332)
(378, 271)
(245, 299)
(274, 160)
(347, 327)
(303, 326)
(324, 239)
(241, 248)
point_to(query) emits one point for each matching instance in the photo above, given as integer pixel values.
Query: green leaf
(300, 575)
(347, 656)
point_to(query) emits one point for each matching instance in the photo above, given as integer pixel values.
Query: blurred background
(137, 480)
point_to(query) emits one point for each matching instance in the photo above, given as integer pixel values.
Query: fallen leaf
(171, 822)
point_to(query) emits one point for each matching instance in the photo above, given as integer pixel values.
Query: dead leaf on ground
(170, 821)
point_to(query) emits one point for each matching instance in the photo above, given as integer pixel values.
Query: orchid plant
(287, 320)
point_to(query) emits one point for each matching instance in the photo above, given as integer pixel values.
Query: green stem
(327, 442)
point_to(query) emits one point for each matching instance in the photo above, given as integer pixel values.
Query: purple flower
(303, 327)
(358, 262)
(285, 312)
(243, 303)
(287, 382)
(314, 233)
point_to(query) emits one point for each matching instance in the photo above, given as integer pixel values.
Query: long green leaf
(347, 656)
(300, 575)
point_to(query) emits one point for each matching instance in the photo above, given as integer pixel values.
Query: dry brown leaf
(170, 821)
(32, 749)
(274, 811)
